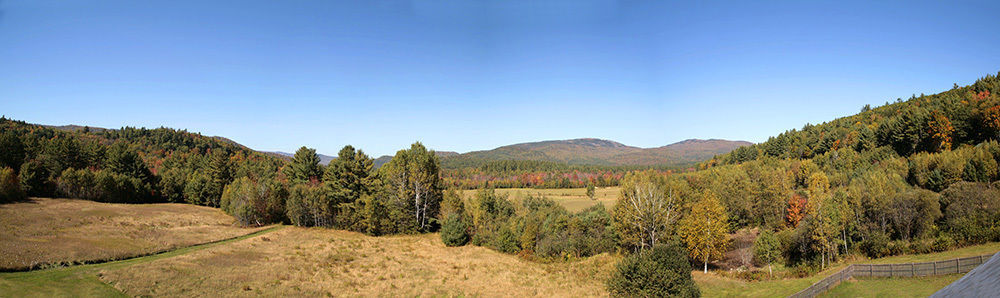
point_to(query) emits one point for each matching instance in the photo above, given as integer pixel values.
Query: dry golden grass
(312, 262)
(574, 199)
(45, 232)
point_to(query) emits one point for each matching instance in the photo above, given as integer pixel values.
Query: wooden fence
(953, 266)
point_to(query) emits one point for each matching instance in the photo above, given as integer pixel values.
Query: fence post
(935, 267)
(913, 271)
(957, 270)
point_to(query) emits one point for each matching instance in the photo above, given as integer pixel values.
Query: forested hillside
(910, 176)
(139, 165)
(129, 165)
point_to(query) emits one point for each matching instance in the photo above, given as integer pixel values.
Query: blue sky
(473, 75)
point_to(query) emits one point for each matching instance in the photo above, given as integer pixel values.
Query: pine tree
(304, 166)
(11, 150)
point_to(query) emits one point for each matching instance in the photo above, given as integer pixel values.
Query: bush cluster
(662, 271)
(539, 226)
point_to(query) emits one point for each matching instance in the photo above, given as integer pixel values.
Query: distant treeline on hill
(539, 174)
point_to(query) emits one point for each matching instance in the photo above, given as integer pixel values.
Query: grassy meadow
(322, 262)
(574, 199)
(892, 287)
(295, 261)
(49, 232)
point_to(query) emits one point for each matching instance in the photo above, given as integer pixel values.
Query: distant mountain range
(323, 159)
(592, 152)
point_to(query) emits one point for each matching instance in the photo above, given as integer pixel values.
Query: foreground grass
(713, 285)
(84, 280)
(574, 199)
(321, 262)
(51, 232)
(892, 287)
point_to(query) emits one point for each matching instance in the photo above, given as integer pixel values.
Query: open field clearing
(892, 287)
(574, 199)
(46, 232)
(313, 262)
(82, 280)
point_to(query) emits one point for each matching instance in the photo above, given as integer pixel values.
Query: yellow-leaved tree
(704, 230)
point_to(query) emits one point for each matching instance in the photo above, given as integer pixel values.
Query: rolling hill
(599, 152)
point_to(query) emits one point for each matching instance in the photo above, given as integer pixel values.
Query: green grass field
(574, 199)
(892, 287)
(713, 285)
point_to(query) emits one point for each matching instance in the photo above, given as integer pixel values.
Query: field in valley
(48, 232)
(282, 261)
(320, 262)
(574, 199)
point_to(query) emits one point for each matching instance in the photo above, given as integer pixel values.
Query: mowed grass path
(574, 199)
(84, 280)
(45, 232)
(322, 262)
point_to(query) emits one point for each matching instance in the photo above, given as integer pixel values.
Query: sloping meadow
(314, 262)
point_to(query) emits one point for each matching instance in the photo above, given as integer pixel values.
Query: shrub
(876, 246)
(943, 243)
(505, 240)
(922, 246)
(898, 247)
(658, 272)
(453, 231)
(10, 188)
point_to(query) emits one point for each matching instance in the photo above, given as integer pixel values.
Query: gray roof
(984, 281)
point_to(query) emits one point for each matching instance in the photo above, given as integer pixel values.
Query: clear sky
(473, 75)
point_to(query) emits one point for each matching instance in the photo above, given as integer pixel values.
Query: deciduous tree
(704, 230)
(646, 207)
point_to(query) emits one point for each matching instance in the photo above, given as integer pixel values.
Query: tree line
(536, 174)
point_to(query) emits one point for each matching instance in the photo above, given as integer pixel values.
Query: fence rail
(953, 266)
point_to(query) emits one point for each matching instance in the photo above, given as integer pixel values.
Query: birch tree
(413, 176)
(646, 207)
(704, 229)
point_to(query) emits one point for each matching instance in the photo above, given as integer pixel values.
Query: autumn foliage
(796, 210)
